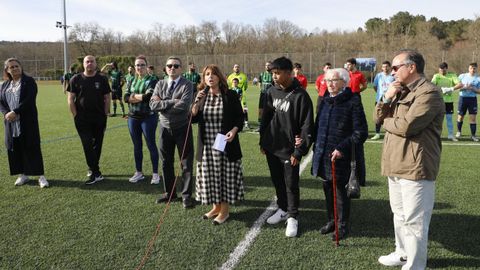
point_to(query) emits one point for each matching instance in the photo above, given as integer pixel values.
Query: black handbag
(353, 187)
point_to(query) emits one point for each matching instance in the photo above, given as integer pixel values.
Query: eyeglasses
(333, 80)
(12, 67)
(140, 65)
(174, 66)
(397, 67)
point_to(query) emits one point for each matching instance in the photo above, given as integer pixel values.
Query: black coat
(340, 122)
(27, 110)
(232, 117)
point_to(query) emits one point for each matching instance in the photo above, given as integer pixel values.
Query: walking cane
(335, 214)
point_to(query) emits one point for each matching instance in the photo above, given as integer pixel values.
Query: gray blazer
(173, 110)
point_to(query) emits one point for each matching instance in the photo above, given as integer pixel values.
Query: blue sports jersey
(467, 79)
(382, 82)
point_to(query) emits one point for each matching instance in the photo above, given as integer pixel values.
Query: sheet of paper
(220, 142)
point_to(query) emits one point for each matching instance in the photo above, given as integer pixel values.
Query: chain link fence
(253, 64)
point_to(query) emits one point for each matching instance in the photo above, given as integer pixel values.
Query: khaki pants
(412, 204)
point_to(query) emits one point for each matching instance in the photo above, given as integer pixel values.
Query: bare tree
(85, 37)
(209, 36)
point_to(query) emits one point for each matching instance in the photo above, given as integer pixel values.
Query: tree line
(456, 41)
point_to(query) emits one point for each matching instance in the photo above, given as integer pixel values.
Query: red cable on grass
(335, 214)
(151, 243)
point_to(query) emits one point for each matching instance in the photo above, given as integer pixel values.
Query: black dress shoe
(164, 198)
(342, 234)
(188, 203)
(328, 228)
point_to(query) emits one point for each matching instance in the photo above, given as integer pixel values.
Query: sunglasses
(140, 65)
(173, 66)
(397, 67)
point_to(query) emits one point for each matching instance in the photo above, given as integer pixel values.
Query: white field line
(254, 231)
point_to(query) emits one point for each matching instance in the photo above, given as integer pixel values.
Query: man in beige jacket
(412, 113)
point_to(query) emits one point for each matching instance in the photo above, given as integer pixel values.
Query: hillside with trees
(457, 42)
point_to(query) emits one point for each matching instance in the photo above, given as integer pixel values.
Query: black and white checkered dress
(218, 179)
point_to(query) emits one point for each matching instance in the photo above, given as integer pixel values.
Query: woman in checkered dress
(219, 174)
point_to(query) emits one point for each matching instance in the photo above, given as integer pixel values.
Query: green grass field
(108, 225)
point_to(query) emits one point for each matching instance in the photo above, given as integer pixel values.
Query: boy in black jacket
(288, 113)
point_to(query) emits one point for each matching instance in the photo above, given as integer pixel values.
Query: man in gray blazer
(172, 98)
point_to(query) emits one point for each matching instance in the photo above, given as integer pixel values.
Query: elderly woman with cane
(18, 95)
(340, 126)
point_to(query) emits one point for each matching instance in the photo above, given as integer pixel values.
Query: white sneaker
(292, 227)
(155, 179)
(137, 176)
(452, 138)
(458, 135)
(392, 259)
(21, 180)
(280, 215)
(376, 137)
(475, 139)
(42, 181)
(89, 173)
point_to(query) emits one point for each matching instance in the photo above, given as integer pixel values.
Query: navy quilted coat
(340, 122)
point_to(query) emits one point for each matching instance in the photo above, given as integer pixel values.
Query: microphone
(207, 88)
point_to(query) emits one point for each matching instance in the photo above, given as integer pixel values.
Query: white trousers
(412, 204)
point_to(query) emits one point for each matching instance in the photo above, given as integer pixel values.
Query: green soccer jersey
(239, 92)
(116, 78)
(265, 80)
(68, 76)
(129, 79)
(242, 80)
(448, 80)
(194, 77)
(242, 83)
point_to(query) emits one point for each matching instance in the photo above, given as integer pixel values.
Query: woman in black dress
(18, 95)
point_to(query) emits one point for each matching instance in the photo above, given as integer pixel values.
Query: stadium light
(65, 41)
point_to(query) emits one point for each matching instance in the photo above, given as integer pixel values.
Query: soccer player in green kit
(192, 75)
(130, 76)
(242, 83)
(265, 80)
(116, 79)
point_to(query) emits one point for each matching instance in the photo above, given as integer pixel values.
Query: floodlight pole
(65, 41)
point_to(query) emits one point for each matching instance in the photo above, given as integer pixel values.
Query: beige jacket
(413, 122)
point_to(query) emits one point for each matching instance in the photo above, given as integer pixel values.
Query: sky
(32, 20)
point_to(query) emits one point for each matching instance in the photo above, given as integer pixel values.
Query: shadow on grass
(110, 185)
(457, 233)
(473, 263)
(265, 181)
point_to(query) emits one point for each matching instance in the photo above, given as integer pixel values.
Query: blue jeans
(147, 127)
